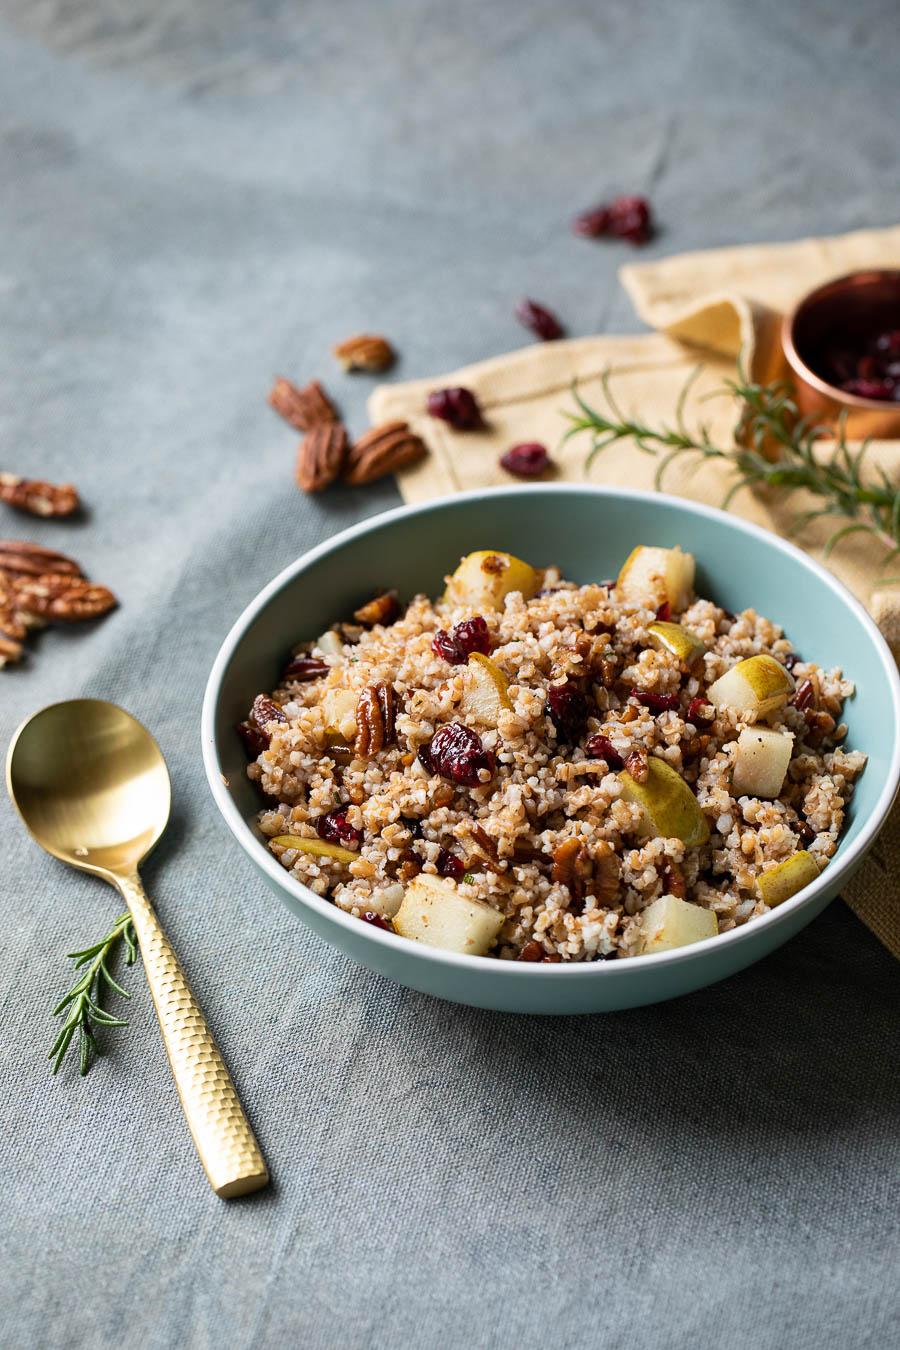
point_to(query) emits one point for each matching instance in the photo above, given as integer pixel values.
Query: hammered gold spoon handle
(221, 1132)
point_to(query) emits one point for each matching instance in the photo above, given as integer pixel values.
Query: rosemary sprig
(82, 998)
(774, 447)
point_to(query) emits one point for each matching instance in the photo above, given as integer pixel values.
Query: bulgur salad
(535, 770)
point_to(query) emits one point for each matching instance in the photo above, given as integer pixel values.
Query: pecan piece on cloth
(21, 557)
(374, 720)
(61, 597)
(37, 497)
(382, 608)
(321, 456)
(10, 651)
(303, 408)
(382, 450)
(366, 351)
(12, 624)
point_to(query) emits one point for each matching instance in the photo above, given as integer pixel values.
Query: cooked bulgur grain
(536, 817)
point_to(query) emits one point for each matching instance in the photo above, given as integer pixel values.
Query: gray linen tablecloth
(196, 196)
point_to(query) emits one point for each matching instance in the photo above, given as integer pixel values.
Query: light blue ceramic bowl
(587, 531)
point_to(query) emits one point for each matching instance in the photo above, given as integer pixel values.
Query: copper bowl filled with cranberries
(842, 343)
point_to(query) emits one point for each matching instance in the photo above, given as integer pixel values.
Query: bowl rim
(257, 853)
(800, 367)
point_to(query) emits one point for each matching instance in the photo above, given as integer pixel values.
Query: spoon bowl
(90, 784)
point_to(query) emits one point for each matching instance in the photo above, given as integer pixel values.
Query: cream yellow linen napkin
(707, 307)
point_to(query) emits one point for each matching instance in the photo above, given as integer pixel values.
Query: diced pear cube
(789, 877)
(435, 913)
(339, 707)
(670, 922)
(655, 576)
(759, 685)
(678, 640)
(668, 806)
(485, 696)
(761, 762)
(483, 580)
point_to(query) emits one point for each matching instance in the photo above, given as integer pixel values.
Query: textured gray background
(194, 196)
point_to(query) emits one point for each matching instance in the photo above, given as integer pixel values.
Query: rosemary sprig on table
(773, 447)
(82, 998)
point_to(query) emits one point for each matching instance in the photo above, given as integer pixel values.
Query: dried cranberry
(540, 320)
(601, 747)
(456, 753)
(526, 460)
(457, 406)
(471, 635)
(592, 223)
(567, 709)
(448, 865)
(790, 660)
(869, 388)
(870, 372)
(657, 703)
(664, 613)
(805, 831)
(629, 217)
(336, 829)
(376, 921)
(889, 343)
(804, 696)
(255, 741)
(700, 710)
(305, 668)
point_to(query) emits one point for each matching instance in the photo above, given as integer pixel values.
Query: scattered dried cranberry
(664, 613)
(592, 223)
(790, 660)
(456, 753)
(805, 831)
(305, 668)
(539, 320)
(526, 460)
(804, 696)
(601, 747)
(336, 829)
(657, 703)
(448, 865)
(457, 406)
(700, 710)
(376, 921)
(471, 635)
(567, 709)
(629, 217)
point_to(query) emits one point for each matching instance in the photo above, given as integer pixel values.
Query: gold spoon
(92, 787)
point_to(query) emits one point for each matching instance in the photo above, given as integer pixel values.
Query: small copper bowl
(847, 312)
